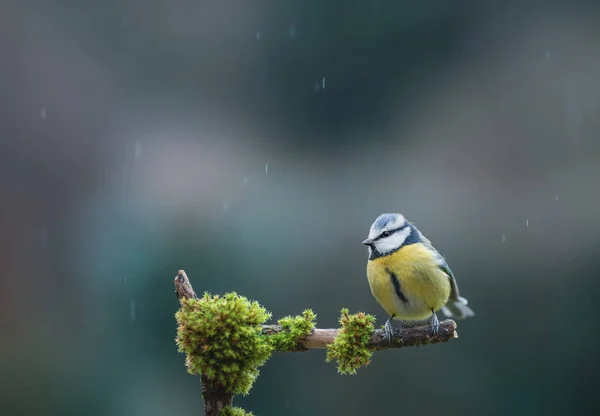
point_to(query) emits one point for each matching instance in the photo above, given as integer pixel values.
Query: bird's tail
(457, 308)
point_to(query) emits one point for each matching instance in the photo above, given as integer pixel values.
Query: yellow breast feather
(409, 283)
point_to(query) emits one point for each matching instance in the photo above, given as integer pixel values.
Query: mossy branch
(353, 344)
(225, 340)
(412, 336)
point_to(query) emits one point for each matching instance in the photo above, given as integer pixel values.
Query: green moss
(294, 328)
(222, 339)
(234, 411)
(350, 345)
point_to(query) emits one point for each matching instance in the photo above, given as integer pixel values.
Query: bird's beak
(368, 242)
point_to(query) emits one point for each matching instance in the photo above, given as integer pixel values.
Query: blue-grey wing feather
(454, 293)
(456, 307)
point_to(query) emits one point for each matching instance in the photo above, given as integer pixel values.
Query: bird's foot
(434, 323)
(389, 330)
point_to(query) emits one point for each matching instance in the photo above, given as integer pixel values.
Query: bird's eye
(386, 234)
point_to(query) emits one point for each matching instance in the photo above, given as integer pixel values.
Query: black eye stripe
(380, 236)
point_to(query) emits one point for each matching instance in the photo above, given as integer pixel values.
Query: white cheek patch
(393, 242)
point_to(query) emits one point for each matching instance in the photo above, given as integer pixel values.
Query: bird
(408, 277)
(183, 287)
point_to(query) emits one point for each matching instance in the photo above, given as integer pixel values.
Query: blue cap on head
(385, 219)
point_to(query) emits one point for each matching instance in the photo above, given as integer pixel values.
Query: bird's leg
(435, 323)
(389, 330)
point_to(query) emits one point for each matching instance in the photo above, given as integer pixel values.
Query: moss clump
(350, 347)
(294, 328)
(234, 411)
(222, 339)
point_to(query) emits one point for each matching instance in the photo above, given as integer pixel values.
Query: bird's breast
(408, 283)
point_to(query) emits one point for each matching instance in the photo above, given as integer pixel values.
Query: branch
(407, 336)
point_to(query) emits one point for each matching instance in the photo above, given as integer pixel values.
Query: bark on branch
(407, 336)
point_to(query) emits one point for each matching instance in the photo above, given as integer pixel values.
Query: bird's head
(388, 233)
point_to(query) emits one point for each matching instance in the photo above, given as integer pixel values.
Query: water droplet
(138, 150)
(258, 35)
(125, 279)
(503, 238)
(43, 113)
(323, 83)
(266, 169)
(132, 310)
(556, 198)
(526, 223)
(292, 30)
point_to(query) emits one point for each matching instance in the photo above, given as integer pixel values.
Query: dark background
(253, 143)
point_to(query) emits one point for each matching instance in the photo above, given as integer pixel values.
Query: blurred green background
(253, 143)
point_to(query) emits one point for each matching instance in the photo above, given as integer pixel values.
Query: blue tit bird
(407, 275)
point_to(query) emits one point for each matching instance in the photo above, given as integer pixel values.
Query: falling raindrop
(138, 150)
(292, 30)
(266, 169)
(172, 79)
(225, 205)
(132, 310)
(245, 180)
(556, 198)
(548, 54)
(526, 223)
(323, 83)
(258, 35)
(43, 113)
(503, 238)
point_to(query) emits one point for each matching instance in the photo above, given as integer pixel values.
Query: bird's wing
(456, 306)
(453, 285)
(441, 262)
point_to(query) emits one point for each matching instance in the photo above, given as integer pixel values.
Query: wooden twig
(216, 398)
(183, 287)
(407, 336)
